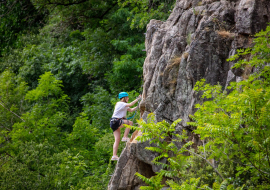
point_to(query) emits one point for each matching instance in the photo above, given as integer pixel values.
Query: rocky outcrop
(192, 44)
(134, 158)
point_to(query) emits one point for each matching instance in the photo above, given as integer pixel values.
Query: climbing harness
(114, 120)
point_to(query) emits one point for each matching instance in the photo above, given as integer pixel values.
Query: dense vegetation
(234, 128)
(62, 64)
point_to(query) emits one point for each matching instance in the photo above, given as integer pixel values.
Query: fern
(224, 185)
(153, 182)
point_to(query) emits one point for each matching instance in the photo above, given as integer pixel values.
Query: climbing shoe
(114, 158)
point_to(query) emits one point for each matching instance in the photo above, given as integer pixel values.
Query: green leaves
(259, 53)
(46, 116)
(12, 104)
(236, 124)
(128, 67)
(98, 107)
(84, 136)
(187, 185)
(83, 57)
(17, 17)
(238, 118)
(144, 11)
(153, 130)
(153, 182)
(48, 87)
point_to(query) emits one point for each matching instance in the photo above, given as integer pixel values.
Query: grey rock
(129, 163)
(164, 188)
(231, 77)
(252, 16)
(145, 115)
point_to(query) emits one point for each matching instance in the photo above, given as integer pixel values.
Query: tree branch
(242, 163)
(113, 5)
(100, 17)
(4, 127)
(3, 163)
(31, 169)
(247, 157)
(2, 104)
(66, 4)
(10, 9)
(206, 161)
(267, 151)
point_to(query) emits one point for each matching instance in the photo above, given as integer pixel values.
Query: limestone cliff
(192, 44)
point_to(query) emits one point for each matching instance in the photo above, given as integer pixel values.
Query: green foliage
(17, 17)
(46, 116)
(187, 185)
(116, 59)
(45, 157)
(83, 136)
(13, 90)
(152, 130)
(75, 14)
(154, 182)
(98, 180)
(62, 62)
(98, 106)
(236, 127)
(259, 53)
(12, 103)
(184, 168)
(236, 124)
(42, 166)
(48, 88)
(144, 11)
(127, 70)
(58, 84)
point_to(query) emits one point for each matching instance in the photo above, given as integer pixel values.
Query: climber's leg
(117, 135)
(125, 121)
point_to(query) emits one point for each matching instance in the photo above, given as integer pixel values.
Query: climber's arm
(132, 109)
(133, 102)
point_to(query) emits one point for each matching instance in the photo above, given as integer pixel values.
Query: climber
(119, 119)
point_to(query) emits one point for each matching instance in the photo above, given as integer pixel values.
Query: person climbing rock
(119, 119)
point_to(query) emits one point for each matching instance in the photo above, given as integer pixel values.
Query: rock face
(192, 44)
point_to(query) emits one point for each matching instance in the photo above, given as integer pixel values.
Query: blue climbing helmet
(122, 95)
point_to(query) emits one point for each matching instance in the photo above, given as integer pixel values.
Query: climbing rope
(141, 90)
(131, 117)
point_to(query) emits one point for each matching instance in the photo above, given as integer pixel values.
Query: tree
(16, 18)
(12, 103)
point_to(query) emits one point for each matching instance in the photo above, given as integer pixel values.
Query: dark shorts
(115, 123)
